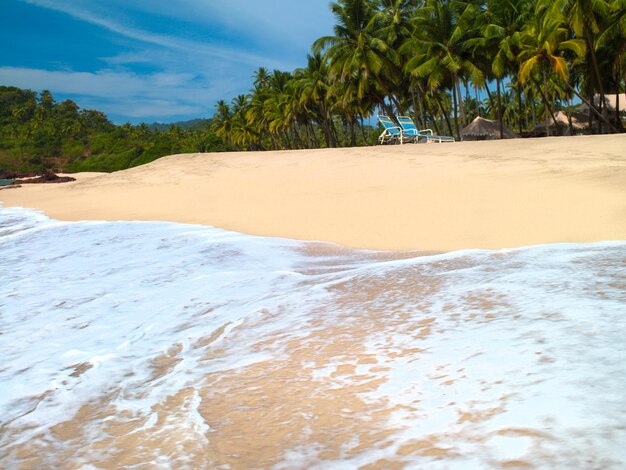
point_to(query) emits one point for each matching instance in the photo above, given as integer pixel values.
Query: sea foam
(170, 345)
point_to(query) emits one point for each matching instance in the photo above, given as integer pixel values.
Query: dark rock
(11, 175)
(48, 177)
(8, 175)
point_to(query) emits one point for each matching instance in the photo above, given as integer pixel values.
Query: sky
(153, 60)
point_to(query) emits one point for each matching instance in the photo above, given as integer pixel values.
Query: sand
(436, 197)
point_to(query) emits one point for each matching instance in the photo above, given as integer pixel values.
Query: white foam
(88, 307)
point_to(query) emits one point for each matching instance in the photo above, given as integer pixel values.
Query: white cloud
(155, 96)
(196, 48)
(106, 84)
(148, 108)
(162, 75)
(281, 22)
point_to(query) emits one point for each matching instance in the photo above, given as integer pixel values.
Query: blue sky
(153, 60)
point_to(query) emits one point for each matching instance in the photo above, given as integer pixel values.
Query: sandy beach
(165, 345)
(427, 197)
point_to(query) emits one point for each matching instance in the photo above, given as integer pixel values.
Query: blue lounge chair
(392, 133)
(409, 129)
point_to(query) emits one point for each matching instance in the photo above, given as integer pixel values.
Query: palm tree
(498, 47)
(223, 121)
(314, 86)
(242, 133)
(543, 42)
(585, 18)
(419, 53)
(613, 39)
(276, 109)
(261, 77)
(440, 50)
(394, 26)
(358, 55)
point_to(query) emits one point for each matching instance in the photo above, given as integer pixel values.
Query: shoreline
(424, 197)
(285, 346)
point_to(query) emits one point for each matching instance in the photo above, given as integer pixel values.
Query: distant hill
(39, 133)
(192, 124)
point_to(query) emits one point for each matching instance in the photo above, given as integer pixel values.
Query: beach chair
(410, 129)
(391, 133)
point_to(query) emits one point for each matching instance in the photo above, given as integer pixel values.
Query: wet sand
(158, 345)
(425, 197)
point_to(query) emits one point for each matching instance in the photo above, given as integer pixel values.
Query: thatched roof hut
(610, 103)
(485, 129)
(560, 124)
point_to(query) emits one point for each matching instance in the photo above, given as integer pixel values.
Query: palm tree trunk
(313, 140)
(559, 128)
(499, 108)
(519, 103)
(285, 139)
(363, 135)
(352, 132)
(456, 112)
(590, 93)
(601, 109)
(432, 115)
(569, 117)
(307, 134)
(436, 125)
(594, 59)
(324, 122)
(418, 102)
(327, 134)
(433, 122)
(297, 135)
(344, 132)
(618, 118)
(330, 138)
(415, 115)
(596, 70)
(618, 81)
(333, 130)
(478, 103)
(493, 106)
(461, 105)
(546, 104)
(444, 111)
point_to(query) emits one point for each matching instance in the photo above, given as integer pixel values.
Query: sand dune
(425, 197)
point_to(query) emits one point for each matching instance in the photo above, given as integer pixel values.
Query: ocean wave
(171, 345)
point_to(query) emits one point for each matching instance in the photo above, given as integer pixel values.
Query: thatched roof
(485, 128)
(610, 102)
(578, 121)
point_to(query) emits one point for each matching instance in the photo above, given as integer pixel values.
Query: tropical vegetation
(438, 61)
(443, 62)
(37, 133)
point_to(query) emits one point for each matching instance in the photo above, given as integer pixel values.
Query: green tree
(440, 49)
(357, 54)
(544, 41)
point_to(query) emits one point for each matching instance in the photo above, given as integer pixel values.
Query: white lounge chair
(410, 129)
